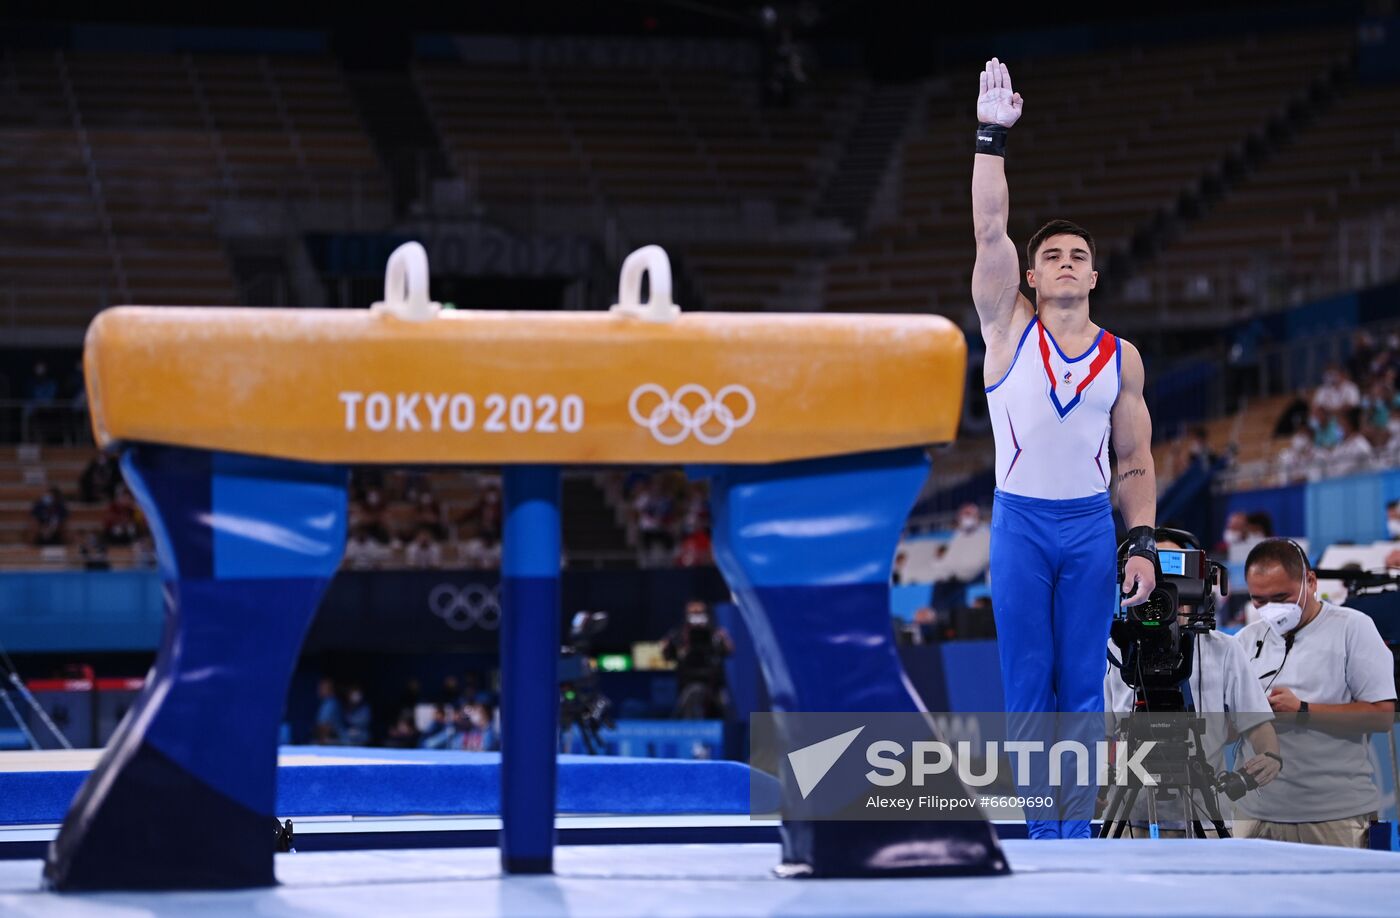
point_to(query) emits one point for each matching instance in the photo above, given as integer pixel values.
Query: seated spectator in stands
(143, 553)
(357, 717)
(1236, 527)
(478, 731)
(477, 554)
(1363, 352)
(1377, 403)
(363, 553)
(49, 519)
(1325, 430)
(427, 514)
(1196, 450)
(99, 479)
(370, 516)
(1392, 520)
(94, 553)
(963, 560)
(424, 552)
(652, 510)
(1354, 450)
(440, 733)
(330, 719)
(901, 558)
(122, 523)
(1337, 392)
(404, 733)
(1294, 417)
(489, 517)
(695, 548)
(43, 419)
(1295, 459)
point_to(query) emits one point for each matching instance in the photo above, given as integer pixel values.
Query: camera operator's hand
(1283, 701)
(1263, 768)
(1139, 577)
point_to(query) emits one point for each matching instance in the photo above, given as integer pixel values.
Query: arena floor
(1146, 878)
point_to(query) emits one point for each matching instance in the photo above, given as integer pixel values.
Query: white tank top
(1050, 415)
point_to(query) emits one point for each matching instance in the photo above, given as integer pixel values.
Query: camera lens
(1235, 784)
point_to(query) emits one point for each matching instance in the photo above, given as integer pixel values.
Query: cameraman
(1221, 683)
(1326, 667)
(698, 649)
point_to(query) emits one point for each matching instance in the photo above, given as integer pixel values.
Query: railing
(60, 421)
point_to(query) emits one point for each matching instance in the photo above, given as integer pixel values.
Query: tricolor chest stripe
(1103, 350)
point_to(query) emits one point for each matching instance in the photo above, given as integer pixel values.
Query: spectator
(963, 560)
(99, 479)
(1363, 352)
(122, 523)
(423, 553)
(363, 553)
(1293, 418)
(369, 515)
(1377, 403)
(1325, 430)
(427, 514)
(695, 548)
(357, 718)
(1326, 667)
(50, 519)
(94, 553)
(1236, 529)
(330, 719)
(1337, 392)
(1354, 450)
(440, 733)
(1392, 520)
(479, 732)
(901, 558)
(40, 393)
(1197, 450)
(404, 733)
(144, 552)
(1296, 458)
(652, 510)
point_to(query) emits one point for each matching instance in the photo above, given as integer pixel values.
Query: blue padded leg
(183, 797)
(807, 548)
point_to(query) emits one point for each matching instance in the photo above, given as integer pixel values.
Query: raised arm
(1137, 475)
(996, 277)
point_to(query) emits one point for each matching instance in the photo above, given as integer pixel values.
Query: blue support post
(807, 549)
(183, 796)
(529, 667)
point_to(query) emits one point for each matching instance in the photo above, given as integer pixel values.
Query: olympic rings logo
(692, 410)
(464, 607)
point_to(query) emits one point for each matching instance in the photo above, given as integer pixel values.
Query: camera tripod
(1177, 762)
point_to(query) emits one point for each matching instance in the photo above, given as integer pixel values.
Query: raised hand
(997, 103)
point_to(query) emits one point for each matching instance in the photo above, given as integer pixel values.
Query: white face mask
(1283, 617)
(1393, 527)
(968, 523)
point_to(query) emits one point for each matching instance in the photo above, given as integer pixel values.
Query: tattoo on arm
(1131, 473)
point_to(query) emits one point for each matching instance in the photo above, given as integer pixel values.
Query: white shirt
(1337, 396)
(1223, 687)
(1050, 416)
(967, 556)
(1337, 658)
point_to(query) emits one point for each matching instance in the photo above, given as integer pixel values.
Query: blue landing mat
(1153, 879)
(333, 781)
